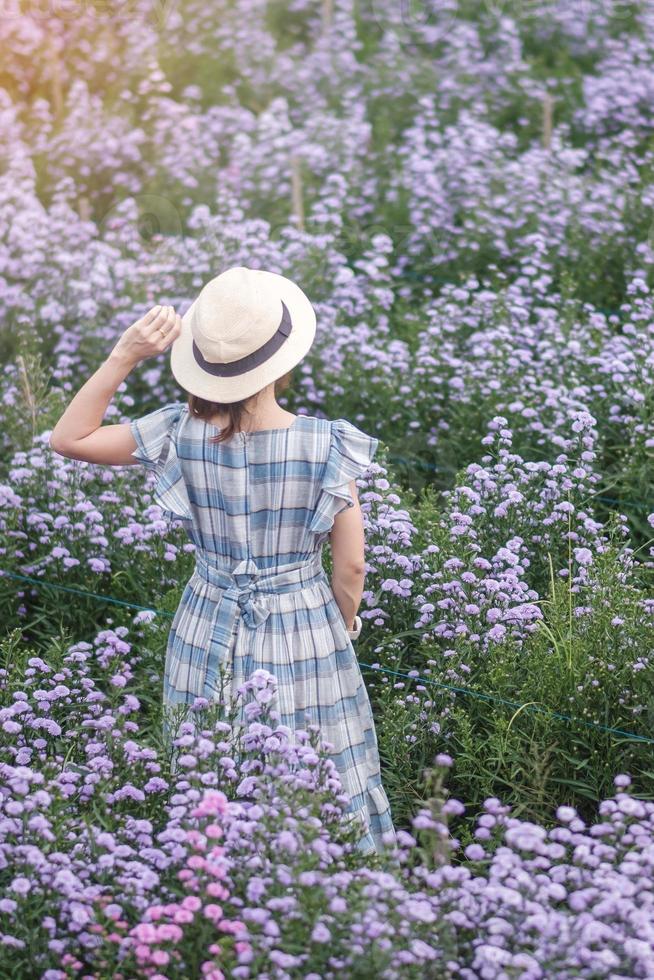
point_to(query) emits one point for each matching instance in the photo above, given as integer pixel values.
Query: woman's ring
(161, 331)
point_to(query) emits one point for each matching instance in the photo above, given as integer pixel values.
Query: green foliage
(588, 660)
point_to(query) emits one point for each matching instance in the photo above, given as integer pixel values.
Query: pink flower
(183, 916)
(212, 802)
(234, 925)
(144, 932)
(216, 890)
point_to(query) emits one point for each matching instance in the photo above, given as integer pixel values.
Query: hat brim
(196, 381)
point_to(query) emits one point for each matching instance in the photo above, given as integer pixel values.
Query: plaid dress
(258, 509)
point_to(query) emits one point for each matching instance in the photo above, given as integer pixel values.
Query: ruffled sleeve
(154, 435)
(350, 453)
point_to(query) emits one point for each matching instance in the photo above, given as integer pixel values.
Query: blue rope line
(385, 670)
(513, 704)
(92, 595)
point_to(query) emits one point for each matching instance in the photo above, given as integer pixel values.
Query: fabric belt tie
(242, 590)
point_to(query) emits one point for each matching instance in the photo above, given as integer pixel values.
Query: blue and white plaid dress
(258, 509)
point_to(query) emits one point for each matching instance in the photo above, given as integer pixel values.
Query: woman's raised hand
(150, 335)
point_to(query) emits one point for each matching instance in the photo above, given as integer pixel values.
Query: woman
(259, 491)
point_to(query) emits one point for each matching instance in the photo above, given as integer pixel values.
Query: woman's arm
(347, 542)
(79, 433)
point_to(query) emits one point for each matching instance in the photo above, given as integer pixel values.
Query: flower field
(464, 191)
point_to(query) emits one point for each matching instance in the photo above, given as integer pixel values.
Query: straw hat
(246, 328)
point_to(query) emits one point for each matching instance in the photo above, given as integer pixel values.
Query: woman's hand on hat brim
(152, 334)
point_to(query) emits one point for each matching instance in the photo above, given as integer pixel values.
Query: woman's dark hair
(203, 409)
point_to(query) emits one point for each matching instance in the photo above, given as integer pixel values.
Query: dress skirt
(284, 620)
